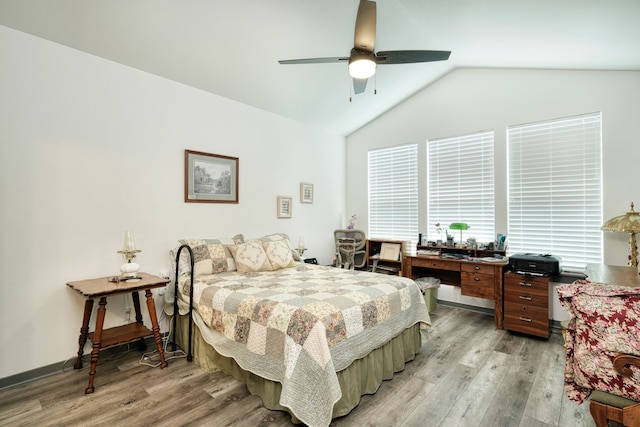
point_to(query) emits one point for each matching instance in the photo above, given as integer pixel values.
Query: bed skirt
(363, 376)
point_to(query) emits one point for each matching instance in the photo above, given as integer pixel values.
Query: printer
(536, 264)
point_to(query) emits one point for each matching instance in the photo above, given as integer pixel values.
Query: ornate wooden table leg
(151, 306)
(136, 306)
(97, 342)
(84, 332)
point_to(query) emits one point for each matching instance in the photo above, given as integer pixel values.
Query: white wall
(90, 148)
(469, 100)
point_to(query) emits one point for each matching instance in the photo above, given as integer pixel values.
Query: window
(460, 185)
(555, 197)
(393, 193)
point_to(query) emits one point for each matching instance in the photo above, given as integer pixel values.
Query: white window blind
(460, 186)
(555, 196)
(393, 193)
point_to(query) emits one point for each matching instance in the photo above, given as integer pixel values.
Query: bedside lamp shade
(627, 223)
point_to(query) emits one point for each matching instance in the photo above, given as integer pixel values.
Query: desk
(101, 288)
(475, 279)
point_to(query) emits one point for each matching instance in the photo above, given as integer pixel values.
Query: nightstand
(102, 288)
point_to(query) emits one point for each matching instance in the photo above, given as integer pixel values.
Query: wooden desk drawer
(478, 268)
(536, 296)
(526, 319)
(477, 285)
(526, 281)
(436, 264)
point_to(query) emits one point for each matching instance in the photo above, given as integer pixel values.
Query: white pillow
(250, 257)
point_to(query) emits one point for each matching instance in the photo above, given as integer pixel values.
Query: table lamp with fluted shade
(627, 223)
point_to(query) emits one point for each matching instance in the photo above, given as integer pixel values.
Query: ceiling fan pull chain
(350, 86)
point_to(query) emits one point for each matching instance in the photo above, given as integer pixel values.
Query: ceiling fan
(363, 59)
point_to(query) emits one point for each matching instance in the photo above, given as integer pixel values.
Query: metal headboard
(175, 301)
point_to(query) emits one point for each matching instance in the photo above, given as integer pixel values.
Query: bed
(307, 339)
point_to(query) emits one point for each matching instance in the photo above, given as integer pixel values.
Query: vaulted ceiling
(231, 47)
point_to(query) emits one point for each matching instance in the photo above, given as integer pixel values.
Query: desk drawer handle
(476, 278)
(477, 267)
(528, 285)
(524, 319)
(524, 297)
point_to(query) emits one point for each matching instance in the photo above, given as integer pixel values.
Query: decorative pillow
(201, 260)
(281, 236)
(185, 264)
(220, 254)
(250, 257)
(207, 258)
(279, 254)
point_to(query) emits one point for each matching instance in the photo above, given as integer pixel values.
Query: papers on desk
(428, 252)
(490, 259)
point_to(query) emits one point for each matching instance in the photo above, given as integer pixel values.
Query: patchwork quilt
(604, 323)
(300, 325)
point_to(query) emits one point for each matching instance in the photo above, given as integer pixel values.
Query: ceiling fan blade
(365, 32)
(314, 60)
(359, 85)
(411, 56)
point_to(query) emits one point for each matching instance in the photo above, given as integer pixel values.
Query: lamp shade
(129, 242)
(458, 226)
(627, 223)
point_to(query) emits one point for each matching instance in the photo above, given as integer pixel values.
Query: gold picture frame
(284, 207)
(306, 192)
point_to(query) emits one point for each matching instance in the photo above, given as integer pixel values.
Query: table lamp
(129, 269)
(459, 226)
(627, 223)
(301, 247)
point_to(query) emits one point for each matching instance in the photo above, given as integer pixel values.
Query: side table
(101, 288)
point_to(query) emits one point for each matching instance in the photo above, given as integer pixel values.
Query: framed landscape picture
(210, 178)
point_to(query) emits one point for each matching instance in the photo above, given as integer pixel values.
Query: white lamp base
(130, 269)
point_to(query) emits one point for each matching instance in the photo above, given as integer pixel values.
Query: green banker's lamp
(459, 226)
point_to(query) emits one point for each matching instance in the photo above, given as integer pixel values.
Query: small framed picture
(306, 192)
(284, 207)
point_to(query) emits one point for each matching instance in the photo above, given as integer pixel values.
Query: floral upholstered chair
(603, 349)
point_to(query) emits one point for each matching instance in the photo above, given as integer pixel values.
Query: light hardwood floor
(467, 374)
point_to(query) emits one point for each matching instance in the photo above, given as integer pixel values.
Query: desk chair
(350, 248)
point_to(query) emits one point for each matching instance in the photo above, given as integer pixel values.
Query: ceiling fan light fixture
(362, 65)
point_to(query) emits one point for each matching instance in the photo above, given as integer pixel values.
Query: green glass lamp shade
(458, 226)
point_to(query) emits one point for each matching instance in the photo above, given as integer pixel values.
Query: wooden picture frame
(210, 178)
(306, 192)
(390, 251)
(284, 207)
